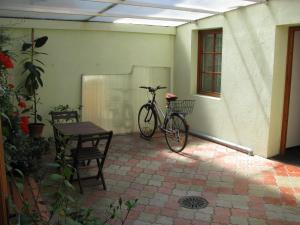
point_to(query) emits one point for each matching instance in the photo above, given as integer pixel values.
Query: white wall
(293, 132)
(76, 48)
(113, 101)
(250, 108)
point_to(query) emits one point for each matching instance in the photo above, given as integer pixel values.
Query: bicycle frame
(161, 116)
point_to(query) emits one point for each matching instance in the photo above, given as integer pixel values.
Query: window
(209, 62)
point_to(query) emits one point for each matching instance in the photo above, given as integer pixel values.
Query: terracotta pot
(36, 129)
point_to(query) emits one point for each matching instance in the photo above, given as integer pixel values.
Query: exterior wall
(293, 131)
(250, 108)
(75, 49)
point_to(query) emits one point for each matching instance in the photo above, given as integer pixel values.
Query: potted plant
(33, 68)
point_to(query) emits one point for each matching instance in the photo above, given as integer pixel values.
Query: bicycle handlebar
(151, 89)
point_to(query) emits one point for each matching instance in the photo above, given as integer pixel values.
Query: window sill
(208, 96)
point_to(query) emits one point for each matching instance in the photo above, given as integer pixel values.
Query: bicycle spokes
(147, 121)
(176, 133)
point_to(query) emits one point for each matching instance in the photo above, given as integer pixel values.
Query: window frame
(201, 33)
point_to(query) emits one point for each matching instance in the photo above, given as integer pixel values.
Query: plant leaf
(40, 69)
(39, 53)
(20, 186)
(39, 80)
(29, 86)
(53, 165)
(69, 185)
(56, 177)
(26, 110)
(39, 42)
(19, 172)
(39, 61)
(26, 46)
(39, 117)
(7, 118)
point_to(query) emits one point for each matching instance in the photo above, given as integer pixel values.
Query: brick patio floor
(240, 189)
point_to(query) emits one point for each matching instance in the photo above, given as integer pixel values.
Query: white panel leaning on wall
(113, 101)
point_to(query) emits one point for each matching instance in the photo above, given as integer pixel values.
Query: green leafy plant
(6, 88)
(33, 68)
(116, 211)
(25, 152)
(62, 108)
(63, 207)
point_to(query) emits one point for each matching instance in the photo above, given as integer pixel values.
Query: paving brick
(240, 189)
(178, 192)
(238, 220)
(203, 216)
(169, 212)
(186, 214)
(255, 221)
(147, 217)
(164, 220)
(180, 221)
(139, 222)
(157, 202)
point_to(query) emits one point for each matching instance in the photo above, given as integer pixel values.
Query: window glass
(206, 82)
(218, 63)
(210, 62)
(208, 43)
(219, 42)
(218, 83)
(207, 64)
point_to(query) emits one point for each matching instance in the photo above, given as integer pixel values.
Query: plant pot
(36, 129)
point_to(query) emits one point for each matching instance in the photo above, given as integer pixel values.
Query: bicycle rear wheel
(147, 121)
(176, 133)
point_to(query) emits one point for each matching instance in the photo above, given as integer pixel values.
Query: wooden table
(73, 130)
(80, 128)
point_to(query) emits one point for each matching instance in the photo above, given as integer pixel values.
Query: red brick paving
(240, 189)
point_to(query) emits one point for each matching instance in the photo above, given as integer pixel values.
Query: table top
(80, 128)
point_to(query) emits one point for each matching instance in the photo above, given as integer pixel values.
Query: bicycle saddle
(171, 97)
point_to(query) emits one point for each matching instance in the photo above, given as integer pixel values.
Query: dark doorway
(290, 136)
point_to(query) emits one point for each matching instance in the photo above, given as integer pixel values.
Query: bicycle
(172, 123)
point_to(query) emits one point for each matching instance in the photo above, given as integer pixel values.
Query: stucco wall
(75, 48)
(247, 113)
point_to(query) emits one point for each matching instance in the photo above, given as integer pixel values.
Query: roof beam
(257, 1)
(73, 12)
(154, 5)
(103, 11)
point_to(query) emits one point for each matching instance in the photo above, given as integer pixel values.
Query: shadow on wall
(254, 62)
(113, 101)
(182, 72)
(254, 100)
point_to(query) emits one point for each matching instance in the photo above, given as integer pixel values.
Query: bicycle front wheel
(176, 133)
(147, 121)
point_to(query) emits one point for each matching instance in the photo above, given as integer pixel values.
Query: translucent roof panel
(70, 6)
(154, 12)
(104, 19)
(148, 12)
(212, 5)
(36, 15)
(149, 22)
